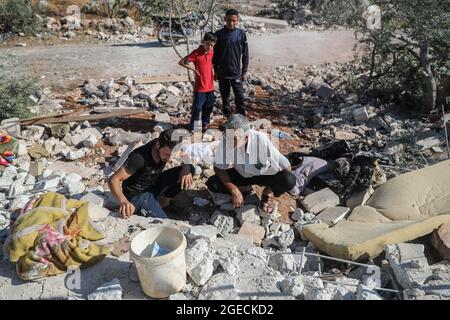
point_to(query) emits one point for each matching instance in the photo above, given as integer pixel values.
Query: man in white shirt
(246, 157)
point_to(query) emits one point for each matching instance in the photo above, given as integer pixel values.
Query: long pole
(445, 129)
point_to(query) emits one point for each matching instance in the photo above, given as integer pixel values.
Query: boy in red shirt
(204, 80)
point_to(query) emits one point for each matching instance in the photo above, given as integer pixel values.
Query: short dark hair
(231, 12)
(165, 139)
(209, 36)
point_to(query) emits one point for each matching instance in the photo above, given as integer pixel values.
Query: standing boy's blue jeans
(203, 104)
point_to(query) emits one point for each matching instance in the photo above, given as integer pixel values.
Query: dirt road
(65, 65)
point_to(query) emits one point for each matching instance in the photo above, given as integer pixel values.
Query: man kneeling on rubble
(141, 186)
(247, 157)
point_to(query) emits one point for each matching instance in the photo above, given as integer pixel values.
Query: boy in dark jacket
(230, 49)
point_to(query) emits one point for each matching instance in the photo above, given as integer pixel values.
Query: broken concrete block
(282, 262)
(72, 183)
(90, 141)
(94, 198)
(365, 293)
(5, 183)
(22, 148)
(96, 213)
(19, 202)
(162, 117)
(262, 124)
(248, 213)
(174, 90)
(49, 184)
(349, 283)
(333, 215)
(254, 230)
(12, 126)
(310, 284)
(201, 273)
(286, 239)
(161, 126)
(220, 287)
(428, 143)
(359, 198)
(75, 155)
(258, 252)
(327, 293)
(408, 263)
(36, 168)
(297, 215)
(195, 253)
(178, 296)
(223, 223)
(172, 101)
(16, 188)
(321, 200)
(33, 133)
(293, 286)
(203, 231)
(344, 135)
(360, 115)
(238, 242)
(441, 241)
(108, 291)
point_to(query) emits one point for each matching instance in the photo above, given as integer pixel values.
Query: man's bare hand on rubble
(237, 198)
(186, 179)
(126, 209)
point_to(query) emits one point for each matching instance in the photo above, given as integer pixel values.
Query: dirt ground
(65, 66)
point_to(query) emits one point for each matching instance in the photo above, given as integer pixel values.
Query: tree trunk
(429, 86)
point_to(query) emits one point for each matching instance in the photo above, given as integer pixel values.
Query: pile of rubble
(252, 255)
(109, 30)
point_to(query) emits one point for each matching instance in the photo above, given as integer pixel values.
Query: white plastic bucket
(160, 276)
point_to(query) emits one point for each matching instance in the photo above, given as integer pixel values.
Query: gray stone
(196, 253)
(201, 273)
(282, 262)
(5, 183)
(72, 183)
(258, 252)
(172, 101)
(203, 231)
(49, 184)
(360, 115)
(286, 239)
(262, 124)
(16, 188)
(248, 213)
(365, 293)
(237, 242)
(310, 285)
(19, 202)
(428, 143)
(254, 230)
(219, 287)
(333, 215)
(162, 117)
(90, 142)
(94, 198)
(83, 135)
(328, 292)
(75, 155)
(321, 200)
(108, 291)
(33, 133)
(293, 286)
(174, 90)
(223, 223)
(408, 263)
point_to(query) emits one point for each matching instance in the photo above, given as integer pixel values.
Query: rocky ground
(256, 257)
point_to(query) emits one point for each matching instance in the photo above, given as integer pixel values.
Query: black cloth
(279, 183)
(168, 183)
(203, 104)
(230, 47)
(225, 86)
(143, 169)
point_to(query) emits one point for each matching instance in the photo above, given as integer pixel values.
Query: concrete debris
(72, 183)
(201, 273)
(254, 230)
(333, 215)
(248, 213)
(408, 263)
(75, 155)
(203, 231)
(223, 223)
(219, 287)
(282, 262)
(365, 293)
(108, 291)
(196, 253)
(320, 201)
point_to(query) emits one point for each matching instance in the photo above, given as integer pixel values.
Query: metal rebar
(445, 130)
(301, 261)
(355, 285)
(339, 260)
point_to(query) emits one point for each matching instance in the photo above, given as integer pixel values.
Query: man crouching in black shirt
(141, 186)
